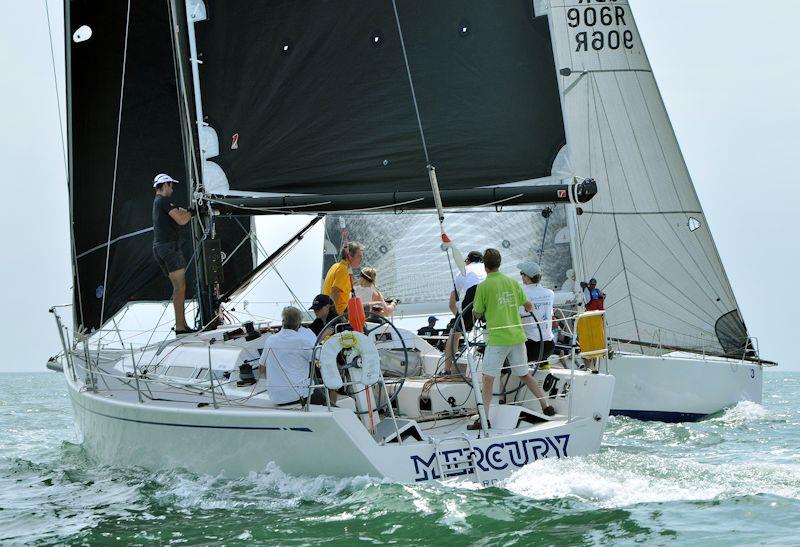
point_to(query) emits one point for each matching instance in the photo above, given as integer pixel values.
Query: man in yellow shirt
(338, 282)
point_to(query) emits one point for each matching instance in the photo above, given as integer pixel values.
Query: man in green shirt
(498, 300)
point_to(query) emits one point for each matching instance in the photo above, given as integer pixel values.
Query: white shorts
(494, 357)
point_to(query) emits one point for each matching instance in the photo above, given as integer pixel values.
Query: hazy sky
(727, 70)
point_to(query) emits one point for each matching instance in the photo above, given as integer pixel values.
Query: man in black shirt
(430, 330)
(167, 217)
(324, 310)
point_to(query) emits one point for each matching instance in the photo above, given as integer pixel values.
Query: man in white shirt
(286, 358)
(465, 285)
(539, 323)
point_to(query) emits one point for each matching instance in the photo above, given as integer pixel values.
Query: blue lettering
(497, 456)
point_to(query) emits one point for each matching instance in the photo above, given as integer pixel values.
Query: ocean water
(732, 479)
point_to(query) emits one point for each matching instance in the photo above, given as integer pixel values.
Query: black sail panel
(317, 99)
(149, 143)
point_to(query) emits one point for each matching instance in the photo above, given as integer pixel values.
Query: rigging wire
(116, 161)
(431, 169)
(274, 268)
(74, 258)
(55, 83)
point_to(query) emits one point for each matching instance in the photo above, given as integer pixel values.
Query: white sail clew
(644, 236)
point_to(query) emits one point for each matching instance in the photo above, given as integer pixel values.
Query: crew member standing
(167, 217)
(594, 298)
(498, 300)
(338, 281)
(464, 285)
(538, 323)
(591, 330)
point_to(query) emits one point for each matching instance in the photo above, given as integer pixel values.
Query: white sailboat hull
(675, 388)
(234, 441)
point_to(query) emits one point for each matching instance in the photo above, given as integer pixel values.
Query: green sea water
(732, 479)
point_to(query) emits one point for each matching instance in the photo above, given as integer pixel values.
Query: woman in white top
(370, 296)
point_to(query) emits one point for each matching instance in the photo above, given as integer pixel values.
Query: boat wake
(615, 478)
(744, 413)
(270, 489)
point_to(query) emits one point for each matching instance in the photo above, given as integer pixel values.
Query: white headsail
(644, 237)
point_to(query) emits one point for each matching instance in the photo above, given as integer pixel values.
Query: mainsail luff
(149, 141)
(645, 236)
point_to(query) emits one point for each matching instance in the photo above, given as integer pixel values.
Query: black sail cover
(149, 143)
(314, 96)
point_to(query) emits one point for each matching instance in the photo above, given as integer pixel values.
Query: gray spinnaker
(406, 248)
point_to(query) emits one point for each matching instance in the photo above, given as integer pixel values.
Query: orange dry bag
(355, 314)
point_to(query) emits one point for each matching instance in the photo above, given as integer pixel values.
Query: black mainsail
(318, 100)
(124, 127)
(272, 108)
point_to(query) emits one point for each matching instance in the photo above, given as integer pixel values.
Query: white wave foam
(270, 489)
(745, 412)
(617, 479)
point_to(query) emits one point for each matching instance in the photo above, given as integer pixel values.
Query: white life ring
(353, 341)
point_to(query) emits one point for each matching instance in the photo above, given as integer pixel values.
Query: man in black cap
(167, 218)
(324, 310)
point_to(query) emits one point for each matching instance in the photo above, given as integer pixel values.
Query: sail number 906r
(600, 17)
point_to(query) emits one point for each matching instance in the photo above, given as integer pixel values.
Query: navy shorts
(534, 346)
(469, 320)
(169, 257)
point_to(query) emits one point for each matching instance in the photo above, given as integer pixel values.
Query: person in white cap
(167, 217)
(538, 323)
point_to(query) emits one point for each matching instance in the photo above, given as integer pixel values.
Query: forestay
(644, 236)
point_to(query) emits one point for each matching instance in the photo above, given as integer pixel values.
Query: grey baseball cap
(530, 268)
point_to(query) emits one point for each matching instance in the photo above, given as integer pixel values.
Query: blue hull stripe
(659, 416)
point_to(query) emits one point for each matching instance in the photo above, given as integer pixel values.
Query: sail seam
(677, 195)
(682, 321)
(113, 241)
(595, 93)
(600, 264)
(116, 160)
(726, 286)
(711, 299)
(669, 298)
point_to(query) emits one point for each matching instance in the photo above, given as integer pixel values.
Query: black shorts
(532, 346)
(169, 257)
(469, 321)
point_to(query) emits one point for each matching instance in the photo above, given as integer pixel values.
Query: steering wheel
(474, 343)
(382, 322)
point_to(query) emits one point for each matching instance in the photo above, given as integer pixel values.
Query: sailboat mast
(204, 294)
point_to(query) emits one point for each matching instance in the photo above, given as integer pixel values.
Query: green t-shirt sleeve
(479, 302)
